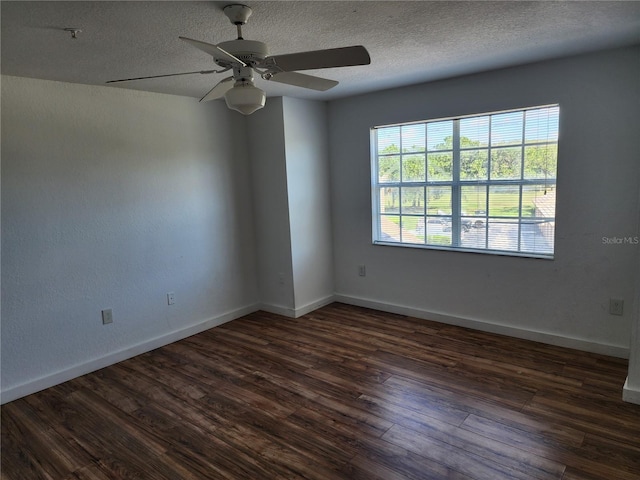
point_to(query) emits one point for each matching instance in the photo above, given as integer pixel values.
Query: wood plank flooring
(341, 393)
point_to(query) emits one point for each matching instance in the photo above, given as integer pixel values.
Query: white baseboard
(542, 337)
(56, 378)
(631, 395)
(299, 311)
(310, 307)
(278, 310)
(27, 388)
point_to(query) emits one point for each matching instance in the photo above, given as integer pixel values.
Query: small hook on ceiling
(74, 31)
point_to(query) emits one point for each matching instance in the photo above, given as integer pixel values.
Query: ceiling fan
(243, 57)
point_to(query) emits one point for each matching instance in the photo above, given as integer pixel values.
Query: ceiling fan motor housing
(250, 52)
(237, 13)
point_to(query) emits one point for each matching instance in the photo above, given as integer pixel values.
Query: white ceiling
(409, 42)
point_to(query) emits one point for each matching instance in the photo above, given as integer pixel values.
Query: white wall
(631, 391)
(110, 199)
(290, 174)
(307, 159)
(271, 205)
(563, 301)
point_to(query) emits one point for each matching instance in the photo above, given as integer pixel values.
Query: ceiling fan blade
(302, 80)
(333, 57)
(160, 76)
(213, 50)
(222, 87)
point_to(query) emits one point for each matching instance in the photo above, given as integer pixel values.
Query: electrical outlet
(107, 316)
(616, 306)
(362, 270)
(171, 298)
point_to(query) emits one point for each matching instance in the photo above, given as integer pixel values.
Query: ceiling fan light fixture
(245, 98)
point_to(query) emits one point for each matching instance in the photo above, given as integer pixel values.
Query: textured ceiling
(409, 42)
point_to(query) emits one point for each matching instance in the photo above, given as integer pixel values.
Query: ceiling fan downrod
(238, 15)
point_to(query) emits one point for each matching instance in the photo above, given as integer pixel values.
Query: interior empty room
(395, 240)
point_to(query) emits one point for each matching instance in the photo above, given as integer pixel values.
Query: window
(482, 183)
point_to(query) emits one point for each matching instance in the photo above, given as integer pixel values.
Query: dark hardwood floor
(341, 393)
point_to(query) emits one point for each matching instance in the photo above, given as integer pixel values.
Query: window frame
(458, 219)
